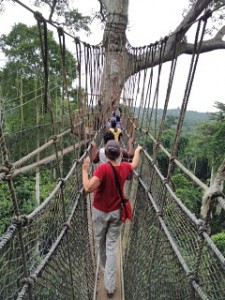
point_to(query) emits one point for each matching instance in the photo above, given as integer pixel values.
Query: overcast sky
(148, 21)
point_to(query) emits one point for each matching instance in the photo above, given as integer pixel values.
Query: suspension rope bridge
(166, 251)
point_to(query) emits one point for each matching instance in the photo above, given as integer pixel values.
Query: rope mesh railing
(54, 279)
(168, 254)
(41, 232)
(48, 252)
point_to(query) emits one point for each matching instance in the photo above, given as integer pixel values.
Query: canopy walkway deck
(48, 252)
(166, 252)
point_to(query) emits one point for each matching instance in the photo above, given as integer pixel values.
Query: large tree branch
(215, 43)
(141, 62)
(52, 9)
(193, 14)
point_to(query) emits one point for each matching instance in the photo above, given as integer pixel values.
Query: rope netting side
(185, 236)
(48, 259)
(52, 275)
(43, 254)
(166, 243)
(49, 253)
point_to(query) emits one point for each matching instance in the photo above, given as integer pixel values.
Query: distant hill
(192, 118)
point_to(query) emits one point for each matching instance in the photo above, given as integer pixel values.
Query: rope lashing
(62, 180)
(22, 220)
(6, 172)
(76, 242)
(192, 277)
(207, 15)
(165, 181)
(54, 138)
(204, 228)
(30, 281)
(67, 225)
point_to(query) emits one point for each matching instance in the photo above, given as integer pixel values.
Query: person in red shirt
(106, 206)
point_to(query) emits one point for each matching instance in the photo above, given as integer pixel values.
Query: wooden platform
(101, 292)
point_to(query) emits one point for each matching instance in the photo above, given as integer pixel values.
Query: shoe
(110, 295)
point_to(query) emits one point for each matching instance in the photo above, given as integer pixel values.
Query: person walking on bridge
(106, 206)
(98, 156)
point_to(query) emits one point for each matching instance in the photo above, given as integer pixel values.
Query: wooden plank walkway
(101, 292)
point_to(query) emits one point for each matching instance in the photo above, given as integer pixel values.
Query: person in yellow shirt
(117, 132)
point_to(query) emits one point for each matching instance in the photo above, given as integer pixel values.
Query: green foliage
(47, 183)
(6, 209)
(24, 190)
(207, 141)
(24, 187)
(219, 240)
(63, 14)
(188, 193)
(22, 78)
(217, 221)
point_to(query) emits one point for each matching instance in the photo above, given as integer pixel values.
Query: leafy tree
(25, 191)
(219, 240)
(171, 121)
(61, 13)
(189, 194)
(22, 76)
(206, 143)
(220, 114)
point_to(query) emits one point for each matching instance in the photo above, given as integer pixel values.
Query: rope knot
(60, 30)
(77, 41)
(165, 181)
(159, 214)
(203, 228)
(76, 161)
(38, 16)
(30, 281)
(62, 180)
(152, 163)
(54, 138)
(21, 220)
(165, 39)
(72, 130)
(6, 172)
(192, 277)
(207, 15)
(172, 158)
(67, 225)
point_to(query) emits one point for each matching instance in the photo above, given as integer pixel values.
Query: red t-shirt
(107, 197)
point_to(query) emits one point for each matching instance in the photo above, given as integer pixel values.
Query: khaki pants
(107, 228)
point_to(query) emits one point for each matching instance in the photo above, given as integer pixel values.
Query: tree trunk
(116, 56)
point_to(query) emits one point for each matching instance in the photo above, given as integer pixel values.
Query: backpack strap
(117, 183)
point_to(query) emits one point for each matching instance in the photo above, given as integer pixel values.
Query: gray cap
(112, 147)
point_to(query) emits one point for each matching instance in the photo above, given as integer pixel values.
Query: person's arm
(94, 153)
(120, 134)
(131, 147)
(130, 152)
(136, 157)
(89, 184)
